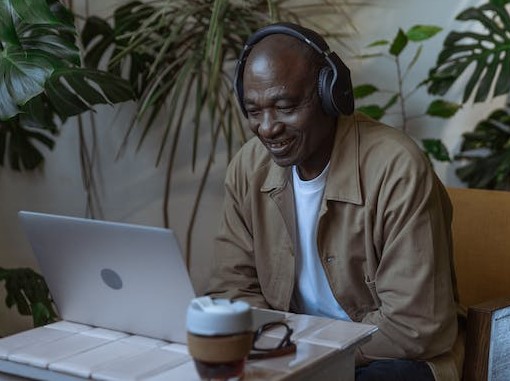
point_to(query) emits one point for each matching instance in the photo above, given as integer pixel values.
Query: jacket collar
(343, 183)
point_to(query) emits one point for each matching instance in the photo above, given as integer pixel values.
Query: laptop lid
(113, 275)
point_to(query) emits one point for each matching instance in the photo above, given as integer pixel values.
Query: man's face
(284, 111)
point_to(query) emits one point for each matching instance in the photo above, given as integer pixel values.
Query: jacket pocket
(373, 291)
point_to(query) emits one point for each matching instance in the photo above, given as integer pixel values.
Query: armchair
(481, 244)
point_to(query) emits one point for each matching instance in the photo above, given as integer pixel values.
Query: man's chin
(283, 161)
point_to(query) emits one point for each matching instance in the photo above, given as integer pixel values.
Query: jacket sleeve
(234, 274)
(413, 276)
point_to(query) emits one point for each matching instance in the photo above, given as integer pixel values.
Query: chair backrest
(481, 243)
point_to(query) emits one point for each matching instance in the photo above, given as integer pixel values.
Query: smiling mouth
(281, 147)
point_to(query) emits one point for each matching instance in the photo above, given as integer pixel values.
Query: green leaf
(70, 91)
(54, 47)
(378, 43)
(8, 107)
(44, 43)
(363, 91)
(112, 45)
(487, 153)
(22, 77)
(23, 153)
(373, 111)
(40, 314)
(443, 109)
(28, 291)
(367, 56)
(422, 32)
(499, 3)
(7, 30)
(65, 101)
(413, 61)
(488, 51)
(115, 89)
(77, 81)
(436, 149)
(35, 12)
(64, 15)
(399, 43)
(37, 113)
(98, 31)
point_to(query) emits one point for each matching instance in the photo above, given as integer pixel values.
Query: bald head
(286, 51)
(274, 63)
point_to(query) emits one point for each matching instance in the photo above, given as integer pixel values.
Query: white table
(67, 351)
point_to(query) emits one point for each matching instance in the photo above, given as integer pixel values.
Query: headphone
(334, 83)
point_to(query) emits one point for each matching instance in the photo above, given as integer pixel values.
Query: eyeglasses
(284, 347)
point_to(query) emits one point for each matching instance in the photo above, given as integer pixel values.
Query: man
(328, 212)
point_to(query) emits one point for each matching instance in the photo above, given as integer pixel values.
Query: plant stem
(87, 164)
(401, 95)
(173, 151)
(198, 197)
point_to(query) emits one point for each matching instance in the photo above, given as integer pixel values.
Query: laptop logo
(111, 279)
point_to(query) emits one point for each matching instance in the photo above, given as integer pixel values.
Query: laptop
(120, 276)
(125, 277)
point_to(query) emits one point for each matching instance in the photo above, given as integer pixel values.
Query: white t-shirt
(312, 294)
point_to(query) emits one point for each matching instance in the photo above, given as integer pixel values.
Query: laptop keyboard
(96, 353)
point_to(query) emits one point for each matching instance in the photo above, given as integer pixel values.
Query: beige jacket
(383, 238)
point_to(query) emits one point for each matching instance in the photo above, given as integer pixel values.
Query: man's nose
(269, 126)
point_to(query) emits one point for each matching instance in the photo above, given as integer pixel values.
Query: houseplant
(42, 83)
(482, 55)
(486, 50)
(397, 98)
(41, 79)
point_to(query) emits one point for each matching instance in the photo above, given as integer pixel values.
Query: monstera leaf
(487, 52)
(102, 40)
(487, 151)
(41, 78)
(35, 37)
(28, 292)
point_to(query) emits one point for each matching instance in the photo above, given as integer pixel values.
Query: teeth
(280, 144)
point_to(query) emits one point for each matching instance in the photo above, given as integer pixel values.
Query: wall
(131, 187)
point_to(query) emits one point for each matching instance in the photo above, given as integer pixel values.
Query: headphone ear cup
(324, 85)
(342, 97)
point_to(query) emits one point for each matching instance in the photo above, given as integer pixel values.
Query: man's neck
(314, 166)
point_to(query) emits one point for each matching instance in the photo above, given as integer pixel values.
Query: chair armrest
(488, 341)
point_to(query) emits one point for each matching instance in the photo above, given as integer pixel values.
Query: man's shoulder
(387, 152)
(382, 141)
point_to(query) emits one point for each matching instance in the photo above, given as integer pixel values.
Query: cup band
(220, 349)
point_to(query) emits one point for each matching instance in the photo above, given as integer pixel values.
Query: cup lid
(209, 317)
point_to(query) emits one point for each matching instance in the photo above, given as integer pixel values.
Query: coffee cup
(220, 337)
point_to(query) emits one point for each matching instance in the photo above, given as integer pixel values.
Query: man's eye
(286, 109)
(252, 113)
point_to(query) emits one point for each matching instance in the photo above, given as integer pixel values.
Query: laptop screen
(113, 275)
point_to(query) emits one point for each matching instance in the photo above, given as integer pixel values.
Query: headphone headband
(308, 36)
(334, 83)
